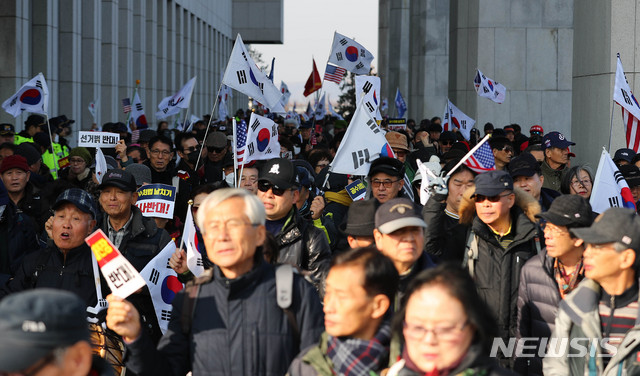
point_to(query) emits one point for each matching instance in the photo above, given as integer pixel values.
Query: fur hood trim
(525, 201)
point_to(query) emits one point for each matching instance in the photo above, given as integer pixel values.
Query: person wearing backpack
(237, 322)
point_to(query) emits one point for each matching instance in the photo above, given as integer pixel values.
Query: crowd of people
(497, 273)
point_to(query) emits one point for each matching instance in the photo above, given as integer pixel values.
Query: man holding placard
(137, 237)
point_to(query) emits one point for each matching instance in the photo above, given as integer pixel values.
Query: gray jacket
(578, 317)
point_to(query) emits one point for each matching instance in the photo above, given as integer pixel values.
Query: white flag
(222, 107)
(350, 55)
(362, 143)
(93, 109)
(369, 88)
(163, 284)
(488, 88)
(32, 97)
(333, 112)
(286, 94)
(609, 187)
(194, 258)
(424, 185)
(101, 165)
(622, 93)
(243, 74)
(458, 120)
(171, 105)
(321, 110)
(262, 139)
(137, 113)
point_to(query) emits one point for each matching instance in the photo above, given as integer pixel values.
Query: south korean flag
(350, 55)
(368, 87)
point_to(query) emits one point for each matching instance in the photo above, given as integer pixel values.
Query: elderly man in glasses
(386, 178)
(299, 242)
(502, 239)
(161, 160)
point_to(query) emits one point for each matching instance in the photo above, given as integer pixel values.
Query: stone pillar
(91, 62)
(70, 69)
(602, 29)
(110, 107)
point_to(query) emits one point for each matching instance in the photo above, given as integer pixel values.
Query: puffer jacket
(237, 329)
(305, 246)
(144, 241)
(497, 270)
(578, 317)
(17, 239)
(538, 300)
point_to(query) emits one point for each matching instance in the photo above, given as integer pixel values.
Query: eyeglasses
(385, 183)
(36, 369)
(211, 149)
(264, 186)
(399, 152)
(481, 198)
(157, 152)
(552, 229)
(508, 149)
(577, 183)
(76, 160)
(444, 333)
(231, 224)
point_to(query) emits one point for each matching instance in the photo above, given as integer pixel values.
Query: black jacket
(188, 179)
(17, 239)
(237, 329)
(445, 236)
(538, 300)
(50, 268)
(305, 246)
(497, 270)
(164, 177)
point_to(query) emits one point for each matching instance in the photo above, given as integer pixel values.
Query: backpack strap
(284, 297)
(192, 289)
(471, 253)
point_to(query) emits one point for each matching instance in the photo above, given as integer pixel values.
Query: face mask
(230, 179)
(193, 157)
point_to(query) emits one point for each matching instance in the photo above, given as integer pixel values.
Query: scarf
(357, 357)
(566, 283)
(341, 197)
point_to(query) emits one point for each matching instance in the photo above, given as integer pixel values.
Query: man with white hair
(232, 323)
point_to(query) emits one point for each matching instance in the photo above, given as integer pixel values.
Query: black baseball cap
(624, 154)
(387, 165)
(35, 322)
(78, 197)
(492, 183)
(361, 218)
(397, 213)
(280, 172)
(555, 140)
(631, 174)
(524, 165)
(568, 210)
(120, 179)
(614, 225)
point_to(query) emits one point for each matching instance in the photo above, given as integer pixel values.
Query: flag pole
(215, 103)
(469, 154)
(235, 151)
(53, 152)
(611, 123)
(190, 202)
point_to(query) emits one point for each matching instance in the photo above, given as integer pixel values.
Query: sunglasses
(264, 186)
(190, 150)
(481, 198)
(211, 149)
(446, 142)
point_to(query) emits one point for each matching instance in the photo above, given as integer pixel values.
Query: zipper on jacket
(612, 301)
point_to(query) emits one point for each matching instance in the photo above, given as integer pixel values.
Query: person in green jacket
(359, 291)
(33, 125)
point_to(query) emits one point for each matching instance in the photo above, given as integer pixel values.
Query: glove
(438, 186)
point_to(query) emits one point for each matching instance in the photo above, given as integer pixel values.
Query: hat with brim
(280, 172)
(492, 183)
(78, 197)
(397, 213)
(360, 218)
(386, 165)
(568, 210)
(120, 179)
(614, 225)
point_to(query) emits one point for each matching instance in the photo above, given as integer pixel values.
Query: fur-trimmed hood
(529, 205)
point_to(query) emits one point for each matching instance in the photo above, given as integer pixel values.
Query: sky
(308, 33)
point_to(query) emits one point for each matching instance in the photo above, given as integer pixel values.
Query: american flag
(482, 159)
(631, 129)
(126, 105)
(241, 140)
(333, 73)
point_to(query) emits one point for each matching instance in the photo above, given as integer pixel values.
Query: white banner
(90, 139)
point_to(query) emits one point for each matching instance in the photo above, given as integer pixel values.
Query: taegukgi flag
(163, 284)
(321, 110)
(190, 239)
(171, 105)
(623, 96)
(368, 87)
(489, 88)
(454, 118)
(137, 113)
(348, 54)
(262, 139)
(32, 97)
(362, 144)
(243, 74)
(609, 187)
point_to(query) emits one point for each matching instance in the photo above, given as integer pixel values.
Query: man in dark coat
(236, 326)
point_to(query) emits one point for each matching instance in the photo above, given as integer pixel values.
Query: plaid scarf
(357, 357)
(567, 282)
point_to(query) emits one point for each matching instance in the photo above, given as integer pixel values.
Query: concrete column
(110, 106)
(126, 77)
(45, 44)
(150, 82)
(601, 30)
(15, 42)
(70, 68)
(91, 61)
(398, 45)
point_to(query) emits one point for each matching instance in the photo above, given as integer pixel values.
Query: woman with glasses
(577, 180)
(445, 327)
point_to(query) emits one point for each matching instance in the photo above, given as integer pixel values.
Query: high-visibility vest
(48, 160)
(17, 139)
